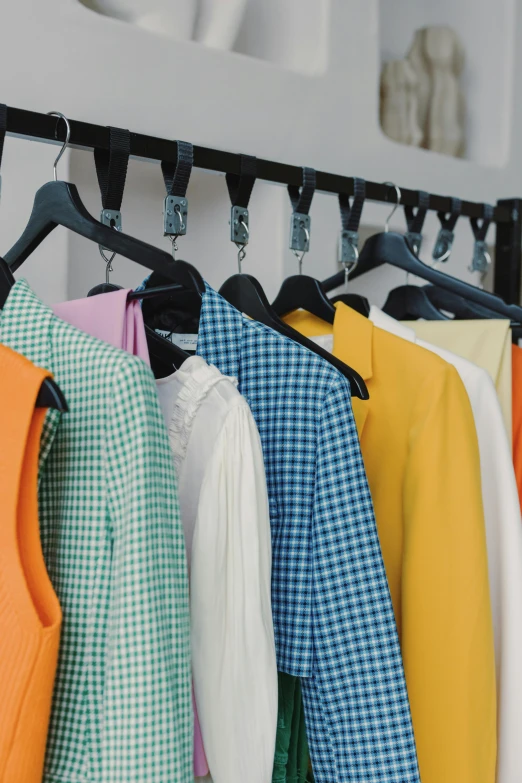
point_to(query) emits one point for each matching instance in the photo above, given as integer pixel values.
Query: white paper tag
(189, 342)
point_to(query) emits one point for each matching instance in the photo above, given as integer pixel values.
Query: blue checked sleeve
(356, 702)
(147, 727)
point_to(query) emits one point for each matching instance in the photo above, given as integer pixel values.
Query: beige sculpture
(445, 55)
(399, 103)
(436, 59)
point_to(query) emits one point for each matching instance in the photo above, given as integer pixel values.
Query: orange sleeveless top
(30, 615)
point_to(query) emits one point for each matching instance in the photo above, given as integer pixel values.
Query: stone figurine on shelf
(399, 103)
(436, 59)
(445, 55)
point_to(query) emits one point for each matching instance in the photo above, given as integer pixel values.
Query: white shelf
(488, 34)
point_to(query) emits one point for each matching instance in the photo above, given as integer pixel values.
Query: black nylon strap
(480, 226)
(240, 185)
(111, 167)
(351, 215)
(177, 175)
(301, 198)
(3, 128)
(448, 220)
(415, 216)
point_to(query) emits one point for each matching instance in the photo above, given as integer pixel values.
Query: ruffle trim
(197, 383)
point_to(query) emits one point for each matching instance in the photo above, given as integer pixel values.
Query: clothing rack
(507, 214)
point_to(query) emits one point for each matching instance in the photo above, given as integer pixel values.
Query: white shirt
(224, 510)
(504, 543)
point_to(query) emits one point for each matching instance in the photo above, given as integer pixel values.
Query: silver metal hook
(395, 206)
(108, 263)
(349, 266)
(66, 142)
(241, 252)
(298, 255)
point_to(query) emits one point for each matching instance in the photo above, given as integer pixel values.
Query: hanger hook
(398, 195)
(301, 255)
(241, 252)
(66, 142)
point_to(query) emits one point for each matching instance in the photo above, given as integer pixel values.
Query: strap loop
(445, 237)
(481, 259)
(301, 197)
(350, 219)
(240, 186)
(111, 168)
(176, 175)
(480, 226)
(448, 220)
(415, 217)
(351, 215)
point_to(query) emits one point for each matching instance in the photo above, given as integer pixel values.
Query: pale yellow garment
(486, 343)
(420, 451)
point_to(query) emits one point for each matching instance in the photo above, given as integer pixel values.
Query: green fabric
(115, 552)
(291, 760)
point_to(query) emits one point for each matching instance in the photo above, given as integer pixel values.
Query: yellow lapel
(352, 343)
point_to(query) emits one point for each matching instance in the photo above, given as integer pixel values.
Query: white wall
(60, 55)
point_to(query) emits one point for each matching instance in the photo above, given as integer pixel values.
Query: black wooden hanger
(356, 302)
(58, 204)
(392, 248)
(245, 293)
(50, 394)
(301, 292)
(460, 308)
(409, 302)
(163, 354)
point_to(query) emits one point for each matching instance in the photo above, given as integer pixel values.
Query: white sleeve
(233, 650)
(504, 541)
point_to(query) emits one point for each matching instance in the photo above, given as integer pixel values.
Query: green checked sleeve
(147, 724)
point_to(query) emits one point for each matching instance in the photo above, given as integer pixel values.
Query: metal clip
(443, 245)
(239, 232)
(112, 219)
(348, 249)
(481, 260)
(300, 232)
(414, 239)
(175, 211)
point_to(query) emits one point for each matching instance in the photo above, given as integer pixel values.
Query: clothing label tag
(189, 342)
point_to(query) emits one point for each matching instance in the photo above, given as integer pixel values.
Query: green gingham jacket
(115, 552)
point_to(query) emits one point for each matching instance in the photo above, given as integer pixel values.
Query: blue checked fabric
(333, 616)
(115, 551)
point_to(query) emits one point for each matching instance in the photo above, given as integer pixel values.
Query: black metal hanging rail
(85, 135)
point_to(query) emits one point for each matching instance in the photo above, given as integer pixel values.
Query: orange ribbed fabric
(30, 615)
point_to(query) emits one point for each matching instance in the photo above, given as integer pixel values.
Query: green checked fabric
(115, 552)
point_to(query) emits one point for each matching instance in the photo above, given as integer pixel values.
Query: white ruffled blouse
(224, 509)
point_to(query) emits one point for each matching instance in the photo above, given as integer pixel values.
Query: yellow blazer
(420, 451)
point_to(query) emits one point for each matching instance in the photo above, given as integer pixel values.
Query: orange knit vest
(30, 615)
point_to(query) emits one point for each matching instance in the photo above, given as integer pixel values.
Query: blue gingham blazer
(330, 595)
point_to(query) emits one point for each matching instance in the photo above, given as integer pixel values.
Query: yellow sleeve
(447, 633)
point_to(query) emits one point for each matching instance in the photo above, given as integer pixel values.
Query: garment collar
(26, 326)
(220, 333)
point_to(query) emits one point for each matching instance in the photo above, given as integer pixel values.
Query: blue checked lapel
(220, 333)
